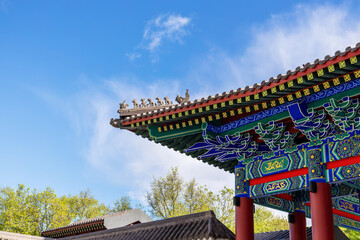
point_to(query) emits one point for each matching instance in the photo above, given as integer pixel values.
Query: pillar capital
(242, 185)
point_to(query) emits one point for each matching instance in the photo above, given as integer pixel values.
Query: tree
(266, 221)
(164, 196)
(122, 204)
(84, 206)
(352, 235)
(170, 196)
(23, 211)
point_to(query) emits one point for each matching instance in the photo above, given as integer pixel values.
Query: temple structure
(292, 142)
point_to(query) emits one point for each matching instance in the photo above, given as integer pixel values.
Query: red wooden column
(297, 226)
(244, 218)
(321, 211)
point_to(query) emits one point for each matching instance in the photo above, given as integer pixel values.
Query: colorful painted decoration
(274, 135)
(310, 122)
(227, 148)
(345, 113)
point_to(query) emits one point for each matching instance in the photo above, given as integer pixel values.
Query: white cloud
(168, 27)
(133, 56)
(280, 44)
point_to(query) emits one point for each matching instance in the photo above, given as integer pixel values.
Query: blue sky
(66, 65)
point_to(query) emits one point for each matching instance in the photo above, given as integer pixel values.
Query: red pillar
(244, 219)
(297, 226)
(321, 212)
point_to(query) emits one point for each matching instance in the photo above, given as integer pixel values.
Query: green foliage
(170, 196)
(23, 211)
(122, 204)
(32, 212)
(266, 221)
(351, 234)
(84, 206)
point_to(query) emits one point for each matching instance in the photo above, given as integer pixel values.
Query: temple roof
(203, 225)
(209, 128)
(145, 114)
(113, 220)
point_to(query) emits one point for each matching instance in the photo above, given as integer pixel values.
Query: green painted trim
(181, 132)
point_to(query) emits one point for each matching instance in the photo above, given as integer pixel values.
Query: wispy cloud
(167, 27)
(132, 56)
(280, 44)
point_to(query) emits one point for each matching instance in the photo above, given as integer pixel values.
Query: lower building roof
(203, 225)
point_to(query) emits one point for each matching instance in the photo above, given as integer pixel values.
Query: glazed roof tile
(194, 226)
(248, 89)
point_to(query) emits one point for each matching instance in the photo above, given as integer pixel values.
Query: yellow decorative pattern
(247, 109)
(238, 100)
(196, 121)
(273, 103)
(273, 90)
(300, 80)
(310, 76)
(190, 123)
(306, 92)
(183, 124)
(290, 83)
(342, 64)
(224, 115)
(167, 117)
(180, 114)
(231, 102)
(165, 128)
(281, 100)
(173, 116)
(316, 88)
(210, 118)
(203, 119)
(217, 116)
(200, 110)
(264, 105)
(290, 97)
(256, 107)
(357, 74)
(247, 98)
(353, 60)
(239, 110)
(132, 125)
(256, 96)
(177, 126)
(159, 129)
(326, 85)
(336, 81)
(223, 104)
(193, 111)
(161, 119)
(347, 77)
(207, 108)
(331, 68)
(149, 122)
(155, 120)
(264, 93)
(298, 94)
(171, 127)
(320, 72)
(186, 113)
(281, 87)
(232, 113)
(137, 124)
(215, 106)
(143, 123)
